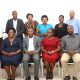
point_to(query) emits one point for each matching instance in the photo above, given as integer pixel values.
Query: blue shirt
(76, 25)
(43, 29)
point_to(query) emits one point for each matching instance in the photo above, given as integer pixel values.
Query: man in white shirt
(31, 47)
(74, 22)
(17, 24)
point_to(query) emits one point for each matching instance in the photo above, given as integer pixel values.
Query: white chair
(3, 73)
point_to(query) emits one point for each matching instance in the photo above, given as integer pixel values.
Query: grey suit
(26, 57)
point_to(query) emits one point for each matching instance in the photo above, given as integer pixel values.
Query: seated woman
(50, 52)
(11, 53)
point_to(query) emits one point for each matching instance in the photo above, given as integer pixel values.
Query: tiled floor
(56, 77)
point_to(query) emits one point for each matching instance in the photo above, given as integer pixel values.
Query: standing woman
(11, 53)
(30, 23)
(43, 28)
(61, 28)
(50, 52)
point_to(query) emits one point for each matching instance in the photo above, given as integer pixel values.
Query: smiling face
(70, 29)
(61, 19)
(44, 20)
(50, 33)
(30, 17)
(72, 14)
(14, 14)
(30, 32)
(11, 33)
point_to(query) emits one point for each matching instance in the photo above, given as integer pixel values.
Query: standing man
(17, 24)
(74, 22)
(71, 50)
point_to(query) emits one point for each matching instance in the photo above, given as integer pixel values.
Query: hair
(29, 14)
(14, 11)
(61, 16)
(30, 28)
(44, 16)
(52, 30)
(11, 28)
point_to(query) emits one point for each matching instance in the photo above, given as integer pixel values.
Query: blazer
(20, 26)
(36, 43)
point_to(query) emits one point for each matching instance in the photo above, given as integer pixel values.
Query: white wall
(52, 8)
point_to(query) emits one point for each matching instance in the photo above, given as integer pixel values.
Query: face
(61, 19)
(50, 33)
(70, 30)
(14, 14)
(71, 14)
(44, 20)
(30, 32)
(30, 18)
(11, 33)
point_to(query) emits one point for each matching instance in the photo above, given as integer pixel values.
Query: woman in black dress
(61, 28)
(11, 53)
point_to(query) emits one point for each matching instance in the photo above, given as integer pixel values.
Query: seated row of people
(52, 49)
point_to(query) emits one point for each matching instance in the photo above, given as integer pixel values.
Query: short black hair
(61, 16)
(53, 30)
(10, 28)
(44, 16)
(29, 15)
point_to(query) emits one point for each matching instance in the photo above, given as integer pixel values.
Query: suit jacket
(36, 43)
(20, 26)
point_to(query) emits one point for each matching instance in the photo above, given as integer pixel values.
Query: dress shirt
(15, 24)
(31, 45)
(71, 43)
(76, 25)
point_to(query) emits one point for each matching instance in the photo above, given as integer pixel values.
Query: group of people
(61, 43)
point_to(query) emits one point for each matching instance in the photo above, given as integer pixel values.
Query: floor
(56, 77)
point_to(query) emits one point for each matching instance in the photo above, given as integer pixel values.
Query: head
(72, 14)
(61, 18)
(70, 29)
(50, 32)
(14, 14)
(44, 19)
(30, 32)
(29, 16)
(11, 32)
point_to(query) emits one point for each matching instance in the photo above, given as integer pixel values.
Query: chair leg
(41, 67)
(59, 70)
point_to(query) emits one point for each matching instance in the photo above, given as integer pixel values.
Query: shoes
(67, 78)
(51, 75)
(74, 78)
(47, 75)
(36, 78)
(28, 78)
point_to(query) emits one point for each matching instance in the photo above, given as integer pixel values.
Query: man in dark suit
(17, 24)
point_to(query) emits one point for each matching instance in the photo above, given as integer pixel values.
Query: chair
(3, 74)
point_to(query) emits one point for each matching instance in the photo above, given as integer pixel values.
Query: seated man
(71, 50)
(31, 46)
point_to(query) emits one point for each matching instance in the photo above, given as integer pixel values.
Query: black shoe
(74, 78)
(47, 75)
(28, 78)
(67, 78)
(51, 75)
(36, 78)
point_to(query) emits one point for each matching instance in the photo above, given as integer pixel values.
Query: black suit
(20, 27)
